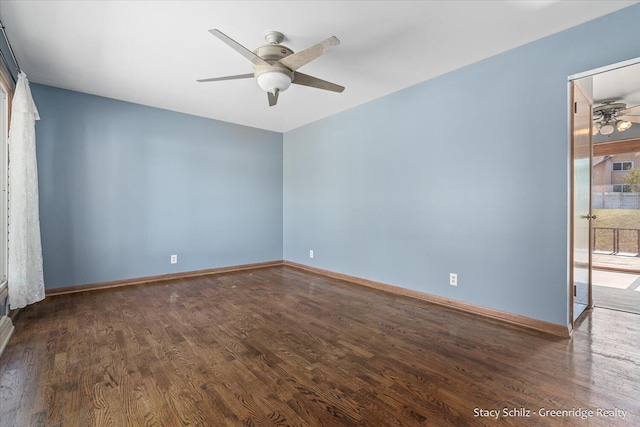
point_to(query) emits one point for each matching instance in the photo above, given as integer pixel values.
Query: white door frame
(570, 79)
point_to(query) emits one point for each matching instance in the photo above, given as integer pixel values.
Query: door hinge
(575, 291)
(575, 108)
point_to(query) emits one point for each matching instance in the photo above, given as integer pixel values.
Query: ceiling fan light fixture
(595, 129)
(623, 125)
(274, 81)
(275, 65)
(606, 129)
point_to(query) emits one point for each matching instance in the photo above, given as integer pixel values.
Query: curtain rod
(13, 56)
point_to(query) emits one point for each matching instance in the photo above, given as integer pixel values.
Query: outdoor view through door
(615, 170)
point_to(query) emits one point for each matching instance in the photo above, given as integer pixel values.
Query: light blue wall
(464, 173)
(124, 186)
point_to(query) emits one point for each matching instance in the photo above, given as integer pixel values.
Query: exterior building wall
(601, 175)
(604, 177)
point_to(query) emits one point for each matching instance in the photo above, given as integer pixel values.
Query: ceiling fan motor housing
(273, 52)
(280, 77)
(609, 109)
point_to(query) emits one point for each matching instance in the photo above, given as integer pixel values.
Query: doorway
(612, 218)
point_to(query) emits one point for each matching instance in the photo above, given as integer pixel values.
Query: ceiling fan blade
(298, 59)
(306, 80)
(273, 98)
(633, 119)
(239, 48)
(631, 110)
(216, 79)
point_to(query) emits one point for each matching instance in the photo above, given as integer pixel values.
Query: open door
(581, 149)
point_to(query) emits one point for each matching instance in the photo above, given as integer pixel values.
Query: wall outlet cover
(453, 279)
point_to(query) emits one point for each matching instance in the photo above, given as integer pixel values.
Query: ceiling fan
(275, 66)
(612, 114)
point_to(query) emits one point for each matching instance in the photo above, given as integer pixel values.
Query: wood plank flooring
(616, 290)
(283, 347)
(616, 262)
(617, 299)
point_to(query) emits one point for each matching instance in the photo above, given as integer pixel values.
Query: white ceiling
(621, 85)
(151, 52)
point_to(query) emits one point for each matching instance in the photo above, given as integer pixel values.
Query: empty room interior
(319, 213)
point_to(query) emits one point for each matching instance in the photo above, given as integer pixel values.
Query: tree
(632, 179)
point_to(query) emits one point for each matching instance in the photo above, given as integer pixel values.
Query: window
(621, 188)
(622, 166)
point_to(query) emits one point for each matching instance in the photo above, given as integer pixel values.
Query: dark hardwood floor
(278, 346)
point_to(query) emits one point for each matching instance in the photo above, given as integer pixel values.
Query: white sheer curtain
(25, 277)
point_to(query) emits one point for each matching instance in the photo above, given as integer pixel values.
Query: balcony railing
(616, 241)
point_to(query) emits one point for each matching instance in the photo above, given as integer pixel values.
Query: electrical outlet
(311, 253)
(174, 259)
(453, 279)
